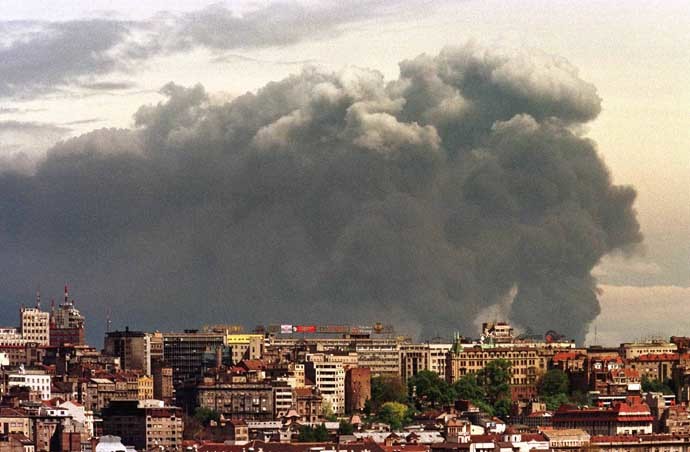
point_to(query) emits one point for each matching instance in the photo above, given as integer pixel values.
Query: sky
(71, 67)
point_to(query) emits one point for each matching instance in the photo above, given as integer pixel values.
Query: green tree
(468, 388)
(395, 414)
(327, 411)
(308, 434)
(386, 389)
(651, 385)
(495, 380)
(553, 402)
(430, 389)
(321, 433)
(205, 415)
(346, 428)
(553, 383)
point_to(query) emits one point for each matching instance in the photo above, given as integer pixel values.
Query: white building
(36, 380)
(11, 336)
(329, 378)
(80, 414)
(35, 325)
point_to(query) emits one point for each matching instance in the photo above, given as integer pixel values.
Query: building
(245, 346)
(632, 350)
(415, 358)
(184, 352)
(13, 420)
(528, 364)
(36, 380)
(144, 426)
(66, 324)
(35, 324)
(132, 347)
(357, 388)
(633, 417)
(329, 378)
(163, 388)
(308, 404)
(234, 396)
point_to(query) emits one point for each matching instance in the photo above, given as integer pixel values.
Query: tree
(308, 434)
(395, 414)
(468, 388)
(387, 389)
(554, 382)
(327, 411)
(650, 385)
(345, 428)
(495, 380)
(430, 389)
(553, 388)
(205, 415)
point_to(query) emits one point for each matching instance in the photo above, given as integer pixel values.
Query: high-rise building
(35, 324)
(66, 324)
(132, 347)
(184, 352)
(329, 379)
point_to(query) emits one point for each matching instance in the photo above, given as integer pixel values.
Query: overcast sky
(68, 67)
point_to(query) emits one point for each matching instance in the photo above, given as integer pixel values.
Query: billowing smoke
(333, 197)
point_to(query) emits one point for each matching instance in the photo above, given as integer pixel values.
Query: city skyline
(62, 82)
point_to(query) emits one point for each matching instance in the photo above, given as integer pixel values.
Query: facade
(183, 352)
(132, 347)
(37, 380)
(144, 427)
(329, 379)
(632, 350)
(633, 417)
(527, 366)
(245, 346)
(238, 398)
(163, 382)
(308, 404)
(415, 358)
(357, 389)
(35, 325)
(66, 324)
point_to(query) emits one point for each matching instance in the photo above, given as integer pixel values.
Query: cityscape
(333, 387)
(344, 226)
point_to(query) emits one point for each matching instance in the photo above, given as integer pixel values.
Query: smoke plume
(333, 197)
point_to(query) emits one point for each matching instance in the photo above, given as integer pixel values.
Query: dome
(110, 443)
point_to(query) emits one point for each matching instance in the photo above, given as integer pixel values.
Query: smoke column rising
(333, 197)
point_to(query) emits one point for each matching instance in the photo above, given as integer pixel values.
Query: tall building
(357, 388)
(132, 347)
(35, 324)
(184, 352)
(144, 427)
(527, 365)
(66, 324)
(415, 358)
(329, 379)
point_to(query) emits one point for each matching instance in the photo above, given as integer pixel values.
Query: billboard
(286, 329)
(305, 329)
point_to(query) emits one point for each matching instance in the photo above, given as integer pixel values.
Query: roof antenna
(108, 321)
(38, 298)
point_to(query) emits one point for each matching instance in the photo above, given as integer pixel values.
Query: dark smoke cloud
(333, 197)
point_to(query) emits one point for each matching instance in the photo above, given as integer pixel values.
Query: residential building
(329, 378)
(35, 325)
(144, 426)
(132, 347)
(184, 352)
(66, 324)
(37, 380)
(357, 388)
